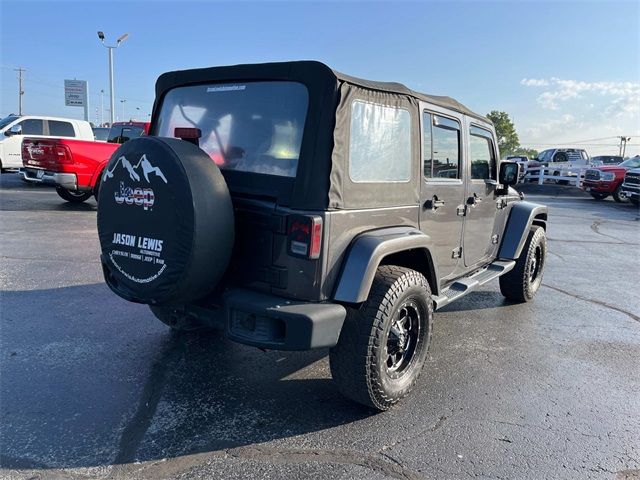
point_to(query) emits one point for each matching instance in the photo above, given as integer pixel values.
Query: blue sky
(564, 71)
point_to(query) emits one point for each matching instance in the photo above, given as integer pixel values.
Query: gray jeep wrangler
(298, 208)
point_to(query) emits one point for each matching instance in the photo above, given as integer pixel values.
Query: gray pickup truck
(297, 207)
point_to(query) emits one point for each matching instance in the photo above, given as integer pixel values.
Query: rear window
(248, 127)
(61, 129)
(122, 133)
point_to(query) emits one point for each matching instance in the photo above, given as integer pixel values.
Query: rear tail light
(46, 152)
(305, 236)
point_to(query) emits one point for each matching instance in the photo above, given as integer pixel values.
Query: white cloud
(534, 82)
(625, 96)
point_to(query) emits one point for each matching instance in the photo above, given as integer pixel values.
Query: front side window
(441, 149)
(61, 129)
(32, 126)
(379, 143)
(248, 127)
(481, 154)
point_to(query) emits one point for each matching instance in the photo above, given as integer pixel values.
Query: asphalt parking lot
(94, 387)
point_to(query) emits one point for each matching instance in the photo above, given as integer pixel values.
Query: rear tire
(384, 343)
(522, 283)
(73, 197)
(599, 196)
(617, 195)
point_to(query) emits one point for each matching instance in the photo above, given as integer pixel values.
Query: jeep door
(442, 189)
(481, 200)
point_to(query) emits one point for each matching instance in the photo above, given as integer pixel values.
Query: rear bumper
(65, 180)
(272, 322)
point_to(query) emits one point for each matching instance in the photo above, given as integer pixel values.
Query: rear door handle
(474, 200)
(434, 203)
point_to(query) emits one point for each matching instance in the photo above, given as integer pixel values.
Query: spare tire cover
(165, 221)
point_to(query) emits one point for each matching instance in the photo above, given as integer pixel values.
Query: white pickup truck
(14, 127)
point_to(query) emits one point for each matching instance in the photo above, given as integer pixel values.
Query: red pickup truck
(607, 180)
(74, 167)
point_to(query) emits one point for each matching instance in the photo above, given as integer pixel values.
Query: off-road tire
(176, 319)
(635, 201)
(599, 196)
(522, 283)
(359, 361)
(73, 197)
(617, 195)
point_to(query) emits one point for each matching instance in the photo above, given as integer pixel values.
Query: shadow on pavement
(91, 380)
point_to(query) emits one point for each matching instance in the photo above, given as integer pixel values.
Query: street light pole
(111, 88)
(122, 102)
(101, 107)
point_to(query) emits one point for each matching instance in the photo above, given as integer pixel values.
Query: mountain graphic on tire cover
(165, 222)
(133, 174)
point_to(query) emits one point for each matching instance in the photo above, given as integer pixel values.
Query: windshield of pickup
(633, 162)
(7, 120)
(249, 127)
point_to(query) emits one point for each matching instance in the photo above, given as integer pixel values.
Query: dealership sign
(75, 93)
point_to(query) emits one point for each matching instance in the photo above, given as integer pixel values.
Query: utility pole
(20, 90)
(623, 144)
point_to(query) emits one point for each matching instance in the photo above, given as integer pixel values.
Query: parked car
(525, 164)
(74, 166)
(101, 134)
(631, 184)
(323, 219)
(607, 180)
(120, 132)
(570, 161)
(13, 129)
(606, 160)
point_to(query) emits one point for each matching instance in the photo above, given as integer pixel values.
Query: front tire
(618, 196)
(384, 342)
(73, 196)
(522, 283)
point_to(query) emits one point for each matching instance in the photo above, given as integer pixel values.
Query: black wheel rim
(535, 265)
(403, 338)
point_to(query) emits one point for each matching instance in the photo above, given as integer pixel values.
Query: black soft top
(322, 179)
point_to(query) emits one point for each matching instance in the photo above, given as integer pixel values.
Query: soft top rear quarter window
(379, 143)
(246, 126)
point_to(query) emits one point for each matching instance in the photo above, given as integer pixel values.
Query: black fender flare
(522, 216)
(369, 249)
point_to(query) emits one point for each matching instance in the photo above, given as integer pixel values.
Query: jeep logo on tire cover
(139, 196)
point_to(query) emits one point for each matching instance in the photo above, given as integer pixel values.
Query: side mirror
(509, 173)
(15, 130)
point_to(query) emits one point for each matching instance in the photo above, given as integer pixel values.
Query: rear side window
(61, 129)
(379, 143)
(32, 126)
(441, 148)
(481, 154)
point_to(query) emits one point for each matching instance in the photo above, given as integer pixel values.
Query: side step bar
(464, 285)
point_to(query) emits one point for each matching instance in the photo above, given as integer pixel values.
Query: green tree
(529, 152)
(508, 141)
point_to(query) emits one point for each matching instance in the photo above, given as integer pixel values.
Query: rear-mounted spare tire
(165, 222)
